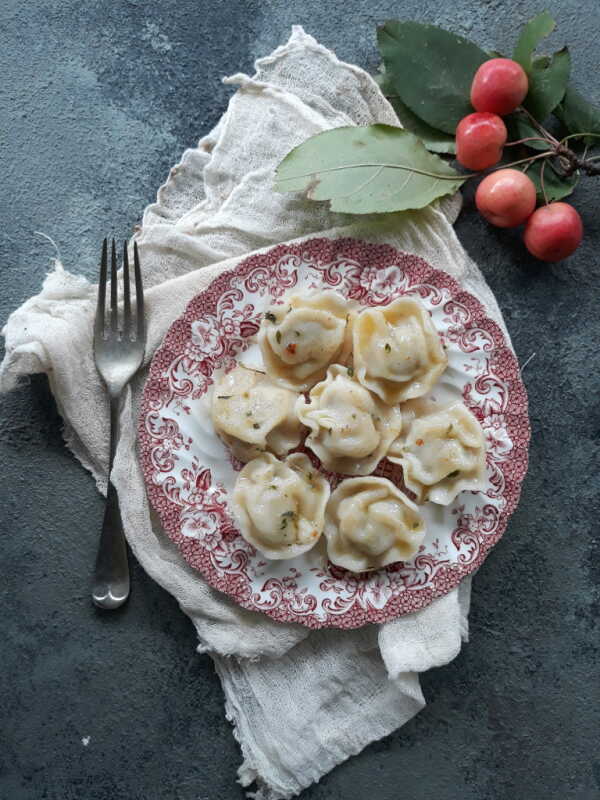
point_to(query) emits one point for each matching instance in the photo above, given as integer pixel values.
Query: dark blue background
(99, 99)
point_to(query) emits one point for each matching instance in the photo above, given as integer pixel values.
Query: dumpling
(441, 450)
(280, 505)
(369, 523)
(252, 415)
(350, 428)
(301, 337)
(397, 351)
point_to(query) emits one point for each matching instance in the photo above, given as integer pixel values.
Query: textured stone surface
(99, 99)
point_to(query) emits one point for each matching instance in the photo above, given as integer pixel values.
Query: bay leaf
(365, 170)
(431, 70)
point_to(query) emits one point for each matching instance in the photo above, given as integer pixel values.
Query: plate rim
(446, 577)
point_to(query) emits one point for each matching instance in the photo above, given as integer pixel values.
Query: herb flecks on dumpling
(370, 523)
(398, 353)
(441, 450)
(280, 505)
(252, 415)
(302, 336)
(350, 428)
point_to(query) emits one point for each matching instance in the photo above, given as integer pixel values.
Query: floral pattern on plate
(189, 473)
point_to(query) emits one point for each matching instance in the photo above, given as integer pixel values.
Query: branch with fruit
(478, 107)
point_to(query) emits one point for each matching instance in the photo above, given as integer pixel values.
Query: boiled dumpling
(350, 428)
(252, 415)
(280, 505)
(397, 351)
(369, 523)
(441, 450)
(301, 337)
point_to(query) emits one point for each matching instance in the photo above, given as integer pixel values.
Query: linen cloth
(300, 702)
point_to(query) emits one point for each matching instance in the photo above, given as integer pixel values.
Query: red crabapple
(506, 197)
(499, 86)
(480, 138)
(553, 232)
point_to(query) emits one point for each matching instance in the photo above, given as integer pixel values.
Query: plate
(190, 474)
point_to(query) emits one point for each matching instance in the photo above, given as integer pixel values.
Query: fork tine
(114, 311)
(139, 295)
(101, 304)
(126, 294)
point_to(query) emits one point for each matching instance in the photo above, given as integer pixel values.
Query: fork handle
(111, 574)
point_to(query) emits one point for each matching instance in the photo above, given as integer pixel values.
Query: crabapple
(506, 197)
(480, 138)
(553, 232)
(499, 86)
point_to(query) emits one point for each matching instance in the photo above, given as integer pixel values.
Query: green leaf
(579, 116)
(548, 76)
(367, 170)
(519, 127)
(431, 70)
(531, 35)
(436, 141)
(547, 83)
(556, 186)
(543, 61)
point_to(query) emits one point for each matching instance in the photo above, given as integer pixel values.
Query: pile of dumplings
(351, 383)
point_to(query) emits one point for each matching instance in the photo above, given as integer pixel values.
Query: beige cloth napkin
(300, 702)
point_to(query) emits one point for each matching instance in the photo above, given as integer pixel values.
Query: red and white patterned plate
(189, 473)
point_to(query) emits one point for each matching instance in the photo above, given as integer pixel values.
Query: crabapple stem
(542, 184)
(528, 160)
(546, 134)
(529, 139)
(579, 135)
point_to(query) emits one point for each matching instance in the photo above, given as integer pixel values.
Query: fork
(119, 352)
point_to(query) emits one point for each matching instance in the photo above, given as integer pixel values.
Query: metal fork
(119, 352)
